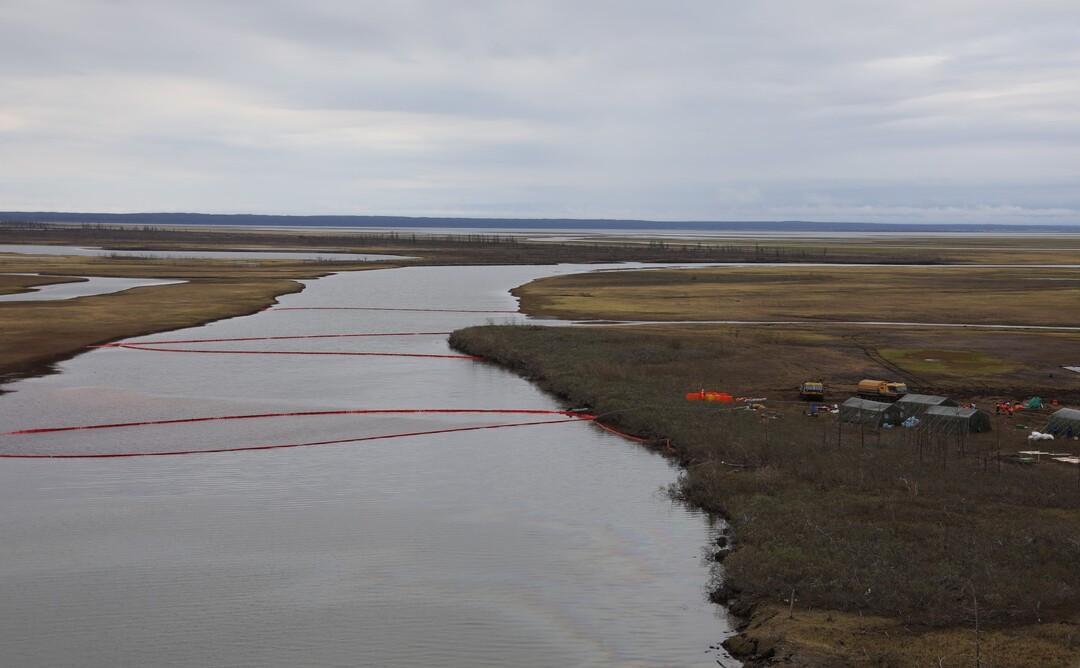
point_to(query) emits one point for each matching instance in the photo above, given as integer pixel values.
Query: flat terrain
(972, 362)
(1025, 296)
(965, 249)
(485, 247)
(34, 335)
(854, 547)
(427, 248)
(887, 540)
(11, 284)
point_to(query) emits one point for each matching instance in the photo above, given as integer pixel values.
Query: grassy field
(11, 284)
(427, 248)
(887, 541)
(35, 335)
(1026, 296)
(977, 363)
(1043, 249)
(854, 548)
(501, 248)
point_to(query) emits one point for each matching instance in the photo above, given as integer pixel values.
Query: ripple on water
(539, 546)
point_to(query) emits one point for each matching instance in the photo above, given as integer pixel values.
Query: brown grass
(1041, 249)
(37, 334)
(12, 284)
(918, 294)
(829, 638)
(433, 248)
(906, 526)
(34, 335)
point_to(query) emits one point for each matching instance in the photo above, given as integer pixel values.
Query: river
(92, 285)
(547, 545)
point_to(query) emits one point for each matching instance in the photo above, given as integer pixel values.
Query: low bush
(898, 523)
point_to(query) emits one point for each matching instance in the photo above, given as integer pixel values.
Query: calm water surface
(93, 285)
(535, 546)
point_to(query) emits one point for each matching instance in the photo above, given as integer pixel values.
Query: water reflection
(541, 546)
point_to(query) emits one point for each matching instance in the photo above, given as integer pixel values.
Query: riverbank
(455, 247)
(822, 306)
(852, 547)
(14, 284)
(398, 551)
(870, 578)
(498, 245)
(36, 335)
(968, 294)
(887, 547)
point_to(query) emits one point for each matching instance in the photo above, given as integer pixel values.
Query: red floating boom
(552, 417)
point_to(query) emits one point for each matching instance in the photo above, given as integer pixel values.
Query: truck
(812, 390)
(881, 390)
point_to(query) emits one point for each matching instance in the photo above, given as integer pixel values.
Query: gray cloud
(833, 110)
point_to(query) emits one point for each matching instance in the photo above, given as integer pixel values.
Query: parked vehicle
(812, 390)
(881, 390)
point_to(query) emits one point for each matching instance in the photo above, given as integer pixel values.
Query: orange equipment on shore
(709, 395)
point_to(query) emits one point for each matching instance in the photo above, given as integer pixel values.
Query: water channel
(548, 545)
(92, 285)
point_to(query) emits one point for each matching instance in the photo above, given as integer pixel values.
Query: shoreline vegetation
(867, 549)
(507, 247)
(14, 284)
(848, 546)
(37, 335)
(481, 247)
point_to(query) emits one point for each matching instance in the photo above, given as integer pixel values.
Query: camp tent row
(939, 414)
(914, 405)
(942, 415)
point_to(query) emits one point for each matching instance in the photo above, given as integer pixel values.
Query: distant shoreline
(574, 224)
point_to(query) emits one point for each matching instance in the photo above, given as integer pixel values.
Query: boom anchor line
(163, 346)
(548, 417)
(377, 308)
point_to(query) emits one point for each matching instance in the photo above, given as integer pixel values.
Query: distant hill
(514, 223)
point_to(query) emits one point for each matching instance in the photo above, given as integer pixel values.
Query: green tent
(869, 413)
(956, 420)
(1064, 423)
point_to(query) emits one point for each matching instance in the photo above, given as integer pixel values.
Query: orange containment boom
(703, 395)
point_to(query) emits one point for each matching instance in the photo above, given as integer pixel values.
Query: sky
(944, 111)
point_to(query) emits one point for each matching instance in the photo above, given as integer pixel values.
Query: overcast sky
(922, 111)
